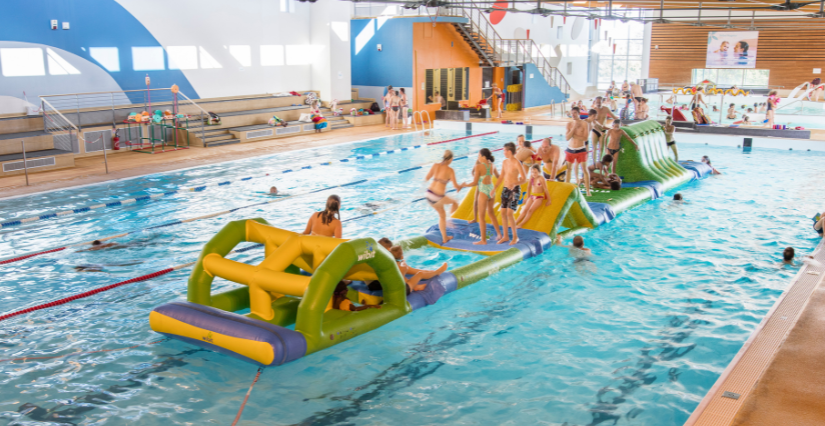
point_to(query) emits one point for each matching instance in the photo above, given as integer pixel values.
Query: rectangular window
(58, 65)
(22, 62)
(242, 53)
(107, 57)
(148, 59)
(272, 55)
(182, 57)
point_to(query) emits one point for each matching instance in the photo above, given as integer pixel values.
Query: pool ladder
(421, 117)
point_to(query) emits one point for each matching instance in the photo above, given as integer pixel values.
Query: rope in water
(216, 214)
(118, 203)
(92, 292)
(246, 398)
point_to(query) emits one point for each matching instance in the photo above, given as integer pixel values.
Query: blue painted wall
(394, 64)
(536, 90)
(94, 23)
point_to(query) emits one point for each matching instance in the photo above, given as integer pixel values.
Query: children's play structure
(294, 283)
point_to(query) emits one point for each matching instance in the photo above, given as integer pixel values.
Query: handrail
(100, 93)
(193, 103)
(64, 118)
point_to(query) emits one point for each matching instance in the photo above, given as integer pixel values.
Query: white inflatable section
(279, 45)
(80, 74)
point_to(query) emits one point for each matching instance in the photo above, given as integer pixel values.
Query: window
(148, 59)
(207, 61)
(182, 57)
(450, 83)
(22, 62)
(729, 77)
(288, 6)
(58, 65)
(620, 50)
(242, 54)
(272, 55)
(107, 57)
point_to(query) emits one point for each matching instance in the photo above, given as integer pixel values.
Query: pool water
(635, 337)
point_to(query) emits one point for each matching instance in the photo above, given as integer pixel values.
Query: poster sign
(732, 49)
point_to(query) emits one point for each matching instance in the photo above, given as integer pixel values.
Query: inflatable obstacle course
(294, 284)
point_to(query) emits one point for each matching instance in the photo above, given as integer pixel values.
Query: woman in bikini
(539, 195)
(441, 174)
(772, 101)
(328, 222)
(485, 194)
(496, 99)
(395, 107)
(386, 100)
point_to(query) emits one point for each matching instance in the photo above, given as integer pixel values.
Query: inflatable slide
(296, 282)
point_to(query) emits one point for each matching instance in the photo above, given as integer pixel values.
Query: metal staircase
(494, 51)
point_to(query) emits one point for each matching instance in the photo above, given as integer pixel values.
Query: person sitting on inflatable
(417, 274)
(340, 301)
(539, 195)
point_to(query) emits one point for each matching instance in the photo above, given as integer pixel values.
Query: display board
(732, 49)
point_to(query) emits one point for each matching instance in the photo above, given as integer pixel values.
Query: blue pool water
(636, 337)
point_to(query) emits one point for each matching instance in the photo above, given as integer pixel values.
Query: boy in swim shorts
(614, 144)
(512, 176)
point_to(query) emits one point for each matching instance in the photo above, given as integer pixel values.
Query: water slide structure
(295, 282)
(799, 94)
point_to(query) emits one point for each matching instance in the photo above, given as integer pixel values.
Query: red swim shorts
(575, 156)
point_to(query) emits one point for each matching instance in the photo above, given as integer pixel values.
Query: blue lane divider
(216, 214)
(16, 222)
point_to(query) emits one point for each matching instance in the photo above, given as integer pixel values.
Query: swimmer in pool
(273, 190)
(328, 222)
(98, 245)
(787, 256)
(577, 250)
(713, 171)
(731, 112)
(819, 224)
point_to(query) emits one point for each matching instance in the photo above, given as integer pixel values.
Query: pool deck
(778, 377)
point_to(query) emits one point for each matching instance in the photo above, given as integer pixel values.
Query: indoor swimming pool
(637, 336)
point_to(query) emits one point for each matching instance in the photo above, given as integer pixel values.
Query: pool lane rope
(216, 214)
(92, 292)
(27, 358)
(119, 203)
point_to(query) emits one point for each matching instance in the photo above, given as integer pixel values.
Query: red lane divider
(26, 358)
(17, 259)
(86, 294)
(246, 398)
(463, 137)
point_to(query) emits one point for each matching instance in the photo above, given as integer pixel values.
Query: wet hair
(578, 241)
(528, 144)
(575, 108)
(706, 159)
(487, 154)
(331, 210)
(341, 289)
(397, 252)
(448, 155)
(536, 167)
(592, 112)
(389, 88)
(396, 93)
(677, 197)
(607, 158)
(750, 109)
(619, 122)
(788, 254)
(669, 117)
(96, 243)
(273, 190)
(385, 242)
(509, 146)
(732, 105)
(402, 90)
(615, 185)
(599, 98)
(519, 136)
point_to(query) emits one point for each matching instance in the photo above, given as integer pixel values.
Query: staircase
(495, 51)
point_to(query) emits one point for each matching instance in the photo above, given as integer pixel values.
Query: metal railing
(421, 118)
(512, 52)
(70, 113)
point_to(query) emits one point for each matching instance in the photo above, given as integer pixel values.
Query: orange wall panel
(441, 46)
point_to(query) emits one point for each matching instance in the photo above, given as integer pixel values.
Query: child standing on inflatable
(670, 129)
(512, 176)
(441, 174)
(485, 193)
(614, 142)
(539, 195)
